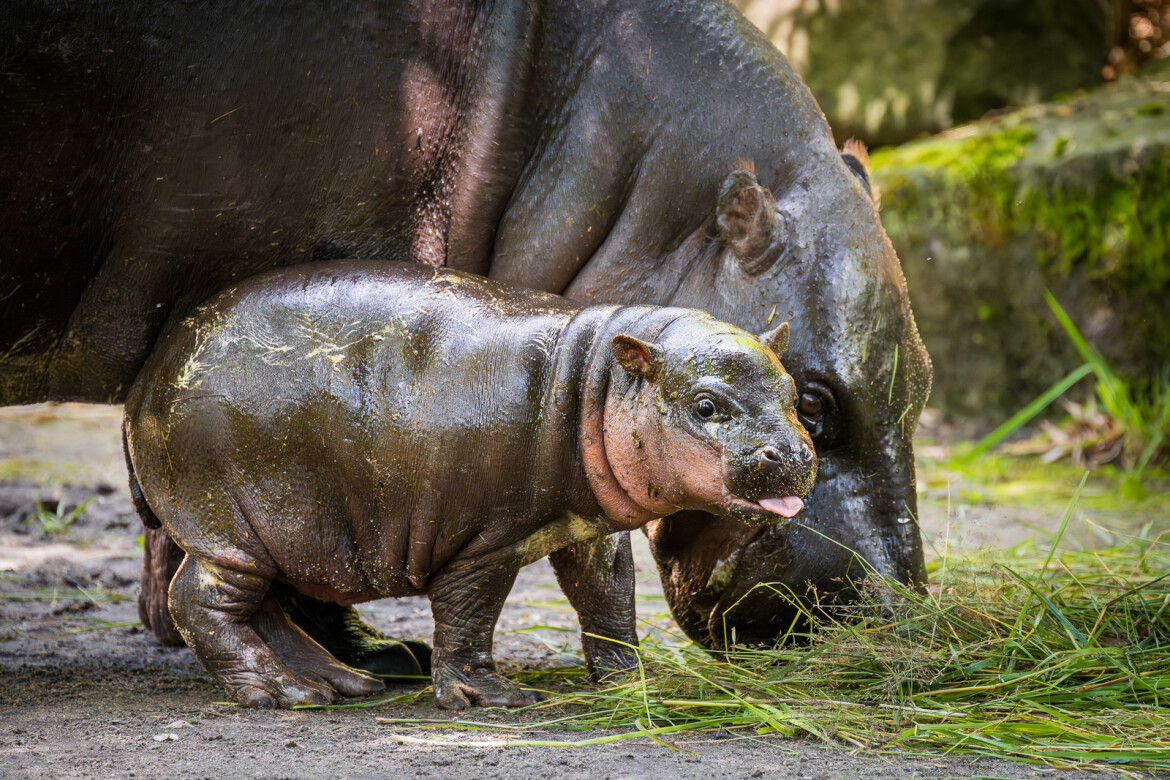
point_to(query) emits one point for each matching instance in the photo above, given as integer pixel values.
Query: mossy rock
(886, 71)
(1073, 196)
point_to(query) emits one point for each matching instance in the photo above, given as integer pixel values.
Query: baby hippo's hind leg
(212, 607)
(304, 656)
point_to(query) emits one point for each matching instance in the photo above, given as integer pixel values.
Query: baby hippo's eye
(705, 408)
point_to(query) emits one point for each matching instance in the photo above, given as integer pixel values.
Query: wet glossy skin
(155, 152)
(358, 430)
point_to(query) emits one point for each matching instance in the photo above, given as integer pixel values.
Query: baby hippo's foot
(459, 683)
(303, 656)
(161, 559)
(284, 691)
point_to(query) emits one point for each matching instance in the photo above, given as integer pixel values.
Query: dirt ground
(88, 694)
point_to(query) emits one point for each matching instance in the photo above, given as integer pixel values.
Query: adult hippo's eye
(811, 405)
(705, 408)
(814, 407)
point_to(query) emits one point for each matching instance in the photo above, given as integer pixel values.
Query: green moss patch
(1072, 197)
(1000, 185)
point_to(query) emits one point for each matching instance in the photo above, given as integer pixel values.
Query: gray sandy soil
(88, 694)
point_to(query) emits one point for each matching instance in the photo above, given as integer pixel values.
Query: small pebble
(165, 737)
(291, 743)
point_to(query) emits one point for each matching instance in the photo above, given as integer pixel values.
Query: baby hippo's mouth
(787, 506)
(764, 509)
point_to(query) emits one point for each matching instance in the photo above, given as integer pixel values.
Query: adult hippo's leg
(341, 631)
(597, 576)
(161, 558)
(301, 654)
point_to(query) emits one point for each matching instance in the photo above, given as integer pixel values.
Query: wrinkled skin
(301, 429)
(152, 153)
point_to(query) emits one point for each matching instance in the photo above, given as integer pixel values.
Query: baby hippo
(357, 430)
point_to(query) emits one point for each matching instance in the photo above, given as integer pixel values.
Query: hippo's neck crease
(621, 509)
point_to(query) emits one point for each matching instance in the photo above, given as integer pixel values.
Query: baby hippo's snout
(792, 470)
(770, 458)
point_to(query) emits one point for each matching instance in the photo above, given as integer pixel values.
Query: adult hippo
(152, 153)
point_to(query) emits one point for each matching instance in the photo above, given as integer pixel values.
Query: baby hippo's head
(705, 418)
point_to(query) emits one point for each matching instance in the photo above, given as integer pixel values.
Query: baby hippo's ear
(777, 339)
(638, 358)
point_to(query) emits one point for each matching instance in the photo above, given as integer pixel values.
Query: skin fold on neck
(601, 448)
(620, 508)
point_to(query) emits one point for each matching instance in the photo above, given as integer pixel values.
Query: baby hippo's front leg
(466, 603)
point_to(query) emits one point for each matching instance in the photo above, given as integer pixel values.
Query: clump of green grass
(57, 519)
(1068, 666)
(1061, 659)
(1143, 412)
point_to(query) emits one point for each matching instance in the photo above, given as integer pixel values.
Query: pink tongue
(787, 506)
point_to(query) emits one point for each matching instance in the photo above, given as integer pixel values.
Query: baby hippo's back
(385, 412)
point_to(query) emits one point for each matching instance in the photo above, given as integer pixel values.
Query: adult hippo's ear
(637, 357)
(777, 339)
(748, 221)
(856, 158)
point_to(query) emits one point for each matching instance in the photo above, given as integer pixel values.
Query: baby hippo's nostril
(806, 454)
(768, 454)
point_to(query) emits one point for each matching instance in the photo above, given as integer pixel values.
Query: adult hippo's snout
(754, 585)
(846, 533)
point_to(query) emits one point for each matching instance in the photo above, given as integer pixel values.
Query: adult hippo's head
(808, 248)
(862, 377)
(709, 178)
(689, 166)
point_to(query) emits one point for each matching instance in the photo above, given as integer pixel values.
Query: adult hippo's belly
(153, 153)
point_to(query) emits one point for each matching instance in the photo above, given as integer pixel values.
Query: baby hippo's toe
(352, 683)
(458, 689)
(256, 698)
(505, 694)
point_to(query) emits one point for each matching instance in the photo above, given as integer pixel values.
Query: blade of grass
(1022, 417)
